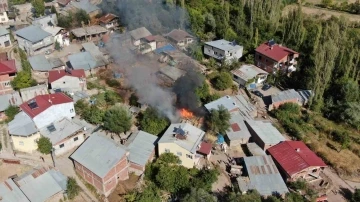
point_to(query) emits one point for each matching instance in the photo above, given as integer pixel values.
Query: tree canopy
(152, 122)
(44, 145)
(39, 7)
(117, 120)
(223, 81)
(72, 188)
(198, 195)
(10, 112)
(220, 119)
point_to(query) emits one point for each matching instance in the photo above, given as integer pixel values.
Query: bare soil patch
(123, 188)
(8, 170)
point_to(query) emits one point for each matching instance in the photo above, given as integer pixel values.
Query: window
(7, 83)
(189, 156)
(179, 153)
(21, 143)
(62, 145)
(2, 19)
(180, 161)
(71, 110)
(1, 14)
(63, 82)
(76, 139)
(167, 150)
(259, 57)
(230, 54)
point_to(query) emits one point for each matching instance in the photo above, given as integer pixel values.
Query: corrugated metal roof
(9, 192)
(192, 140)
(139, 33)
(31, 92)
(42, 187)
(41, 63)
(233, 102)
(32, 33)
(275, 52)
(255, 150)
(3, 31)
(266, 132)
(85, 5)
(63, 129)
(305, 96)
(166, 48)
(247, 72)
(224, 45)
(172, 72)
(295, 156)
(10, 99)
(238, 129)
(264, 176)
(99, 154)
(178, 35)
(84, 60)
(22, 125)
(87, 31)
(141, 145)
(285, 95)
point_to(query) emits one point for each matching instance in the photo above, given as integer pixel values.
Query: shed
(141, 147)
(172, 72)
(264, 134)
(263, 176)
(238, 133)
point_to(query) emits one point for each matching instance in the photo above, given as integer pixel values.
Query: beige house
(185, 141)
(23, 132)
(67, 80)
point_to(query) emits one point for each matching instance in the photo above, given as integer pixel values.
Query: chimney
(297, 149)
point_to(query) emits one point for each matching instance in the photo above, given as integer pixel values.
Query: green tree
(72, 188)
(44, 145)
(81, 106)
(94, 115)
(294, 197)
(65, 21)
(220, 119)
(112, 97)
(57, 45)
(23, 79)
(39, 7)
(117, 120)
(134, 100)
(150, 193)
(152, 122)
(356, 196)
(210, 23)
(10, 112)
(81, 17)
(203, 92)
(327, 3)
(197, 195)
(223, 81)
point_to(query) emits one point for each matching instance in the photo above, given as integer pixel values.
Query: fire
(186, 114)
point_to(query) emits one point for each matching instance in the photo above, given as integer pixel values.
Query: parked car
(266, 87)
(257, 93)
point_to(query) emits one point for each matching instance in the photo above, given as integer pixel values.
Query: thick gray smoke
(140, 72)
(155, 15)
(185, 88)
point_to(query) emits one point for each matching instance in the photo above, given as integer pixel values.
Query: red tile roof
(107, 18)
(44, 102)
(57, 74)
(295, 156)
(7, 67)
(205, 148)
(277, 52)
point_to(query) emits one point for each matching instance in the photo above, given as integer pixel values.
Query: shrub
(223, 81)
(44, 145)
(72, 188)
(113, 83)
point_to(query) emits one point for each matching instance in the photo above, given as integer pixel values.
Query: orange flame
(186, 114)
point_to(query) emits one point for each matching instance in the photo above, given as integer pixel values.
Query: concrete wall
(5, 39)
(69, 144)
(3, 17)
(236, 143)
(70, 82)
(108, 183)
(268, 64)
(25, 144)
(218, 53)
(5, 86)
(54, 113)
(31, 48)
(174, 148)
(139, 169)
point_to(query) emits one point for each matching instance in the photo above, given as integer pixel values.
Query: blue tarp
(252, 86)
(166, 48)
(220, 139)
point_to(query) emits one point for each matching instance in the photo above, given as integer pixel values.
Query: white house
(67, 80)
(57, 33)
(223, 50)
(64, 134)
(4, 8)
(4, 37)
(45, 109)
(249, 74)
(147, 44)
(109, 21)
(46, 21)
(138, 34)
(33, 38)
